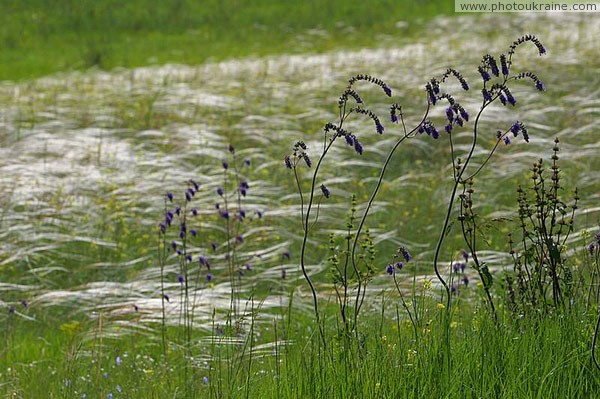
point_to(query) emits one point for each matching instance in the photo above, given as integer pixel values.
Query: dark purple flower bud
(504, 65)
(509, 97)
(287, 255)
(217, 206)
(25, 303)
(421, 129)
(196, 185)
(464, 114)
(239, 239)
(188, 196)
(167, 298)
(502, 98)
(379, 127)
(591, 248)
(231, 149)
(349, 140)
(259, 214)
(180, 279)
(225, 164)
(203, 260)
(173, 244)
(224, 214)
(506, 140)
(170, 196)
(209, 277)
(405, 254)
(163, 227)
(465, 255)
(193, 232)
(449, 114)
(288, 162)
(179, 252)
(399, 265)
(458, 121)
(358, 146)
(394, 118)
(182, 234)
(486, 95)
(220, 191)
(248, 267)
(463, 266)
(136, 307)
(214, 246)
(515, 128)
(465, 280)
(307, 160)
(387, 90)
(484, 74)
(325, 191)
(389, 269)
(191, 191)
(434, 132)
(540, 85)
(188, 257)
(178, 210)
(448, 128)
(456, 267)
(242, 214)
(247, 161)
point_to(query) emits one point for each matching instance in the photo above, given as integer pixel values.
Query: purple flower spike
(387, 90)
(325, 191)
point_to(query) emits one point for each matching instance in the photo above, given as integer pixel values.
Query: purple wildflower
(506, 140)
(170, 196)
(288, 162)
(225, 164)
(209, 277)
(389, 269)
(325, 191)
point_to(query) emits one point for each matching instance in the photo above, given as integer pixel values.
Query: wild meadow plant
(352, 271)
(541, 265)
(198, 241)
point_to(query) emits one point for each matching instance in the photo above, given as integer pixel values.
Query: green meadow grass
(42, 36)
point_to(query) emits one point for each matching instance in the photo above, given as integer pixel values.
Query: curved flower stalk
(332, 132)
(495, 87)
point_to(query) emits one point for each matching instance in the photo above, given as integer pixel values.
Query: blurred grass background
(40, 37)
